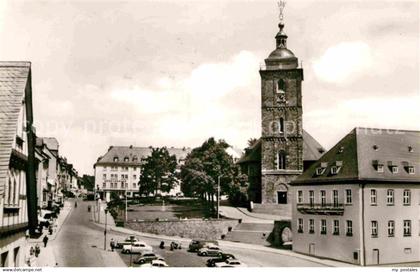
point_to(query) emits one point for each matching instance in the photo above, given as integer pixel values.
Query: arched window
(126, 159)
(281, 160)
(281, 86)
(115, 159)
(281, 126)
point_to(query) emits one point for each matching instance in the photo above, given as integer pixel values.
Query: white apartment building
(118, 170)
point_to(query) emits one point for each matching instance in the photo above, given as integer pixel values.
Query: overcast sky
(175, 73)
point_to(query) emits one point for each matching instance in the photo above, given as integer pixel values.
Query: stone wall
(192, 228)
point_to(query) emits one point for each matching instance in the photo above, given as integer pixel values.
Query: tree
(158, 172)
(202, 168)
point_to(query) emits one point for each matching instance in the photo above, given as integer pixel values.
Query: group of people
(35, 251)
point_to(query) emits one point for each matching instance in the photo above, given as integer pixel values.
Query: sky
(174, 73)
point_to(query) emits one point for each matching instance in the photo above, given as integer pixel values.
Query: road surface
(80, 243)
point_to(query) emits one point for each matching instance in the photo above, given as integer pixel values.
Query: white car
(230, 263)
(137, 247)
(155, 263)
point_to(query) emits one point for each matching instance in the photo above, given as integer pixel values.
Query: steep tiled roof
(13, 80)
(252, 154)
(361, 151)
(140, 152)
(312, 150)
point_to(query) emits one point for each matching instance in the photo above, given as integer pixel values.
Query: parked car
(137, 247)
(222, 258)
(210, 250)
(148, 257)
(127, 241)
(155, 263)
(195, 245)
(231, 263)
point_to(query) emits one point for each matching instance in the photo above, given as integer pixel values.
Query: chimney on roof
(110, 147)
(131, 146)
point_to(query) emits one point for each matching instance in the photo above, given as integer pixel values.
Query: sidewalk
(46, 256)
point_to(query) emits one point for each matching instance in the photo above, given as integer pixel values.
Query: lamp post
(106, 211)
(218, 195)
(126, 214)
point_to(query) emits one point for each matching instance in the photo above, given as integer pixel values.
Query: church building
(284, 150)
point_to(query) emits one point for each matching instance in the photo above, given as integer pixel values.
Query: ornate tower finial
(281, 4)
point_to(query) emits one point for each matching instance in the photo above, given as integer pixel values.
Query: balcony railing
(328, 209)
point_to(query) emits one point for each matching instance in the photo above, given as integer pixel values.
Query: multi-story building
(284, 149)
(43, 188)
(360, 202)
(17, 162)
(119, 169)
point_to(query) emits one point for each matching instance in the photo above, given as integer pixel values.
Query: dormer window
(375, 147)
(320, 171)
(410, 149)
(341, 149)
(394, 169)
(135, 159)
(115, 159)
(410, 169)
(379, 166)
(126, 159)
(335, 170)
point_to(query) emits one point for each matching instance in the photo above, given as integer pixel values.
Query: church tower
(281, 110)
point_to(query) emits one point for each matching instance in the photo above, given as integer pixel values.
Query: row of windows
(115, 176)
(391, 228)
(115, 168)
(390, 197)
(114, 185)
(394, 169)
(348, 197)
(126, 159)
(335, 226)
(323, 197)
(335, 230)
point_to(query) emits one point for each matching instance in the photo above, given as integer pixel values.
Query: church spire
(281, 37)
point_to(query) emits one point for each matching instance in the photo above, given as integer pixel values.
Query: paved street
(80, 243)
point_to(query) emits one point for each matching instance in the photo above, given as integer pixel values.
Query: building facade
(360, 202)
(119, 169)
(17, 162)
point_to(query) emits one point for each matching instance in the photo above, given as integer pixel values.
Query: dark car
(222, 258)
(195, 245)
(148, 257)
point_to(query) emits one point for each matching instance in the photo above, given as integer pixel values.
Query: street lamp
(126, 214)
(106, 211)
(218, 195)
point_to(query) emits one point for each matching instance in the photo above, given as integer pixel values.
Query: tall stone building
(285, 148)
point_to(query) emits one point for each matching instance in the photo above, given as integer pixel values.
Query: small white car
(155, 263)
(137, 247)
(230, 263)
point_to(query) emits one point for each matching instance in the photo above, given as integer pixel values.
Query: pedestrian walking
(50, 229)
(112, 244)
(45, 240)
(31, 251)
(37, 250)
